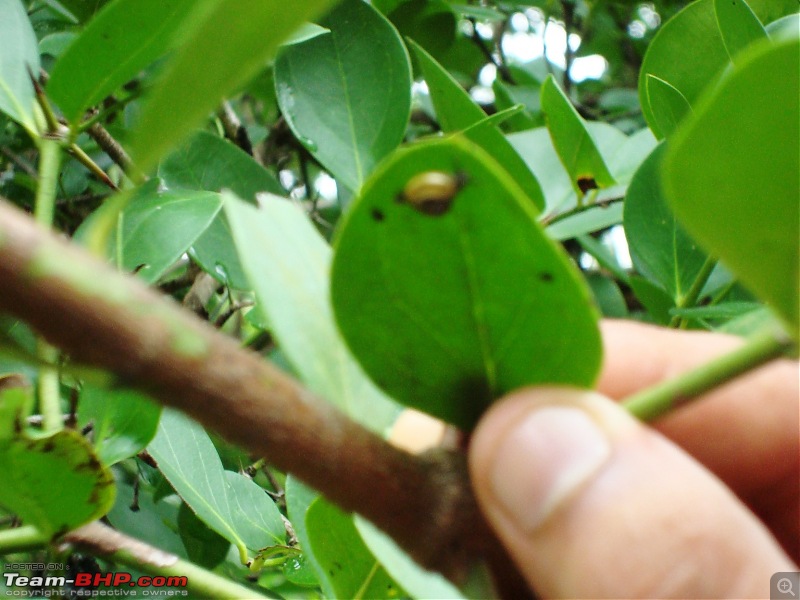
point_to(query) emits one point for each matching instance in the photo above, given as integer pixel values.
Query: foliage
(478, 196)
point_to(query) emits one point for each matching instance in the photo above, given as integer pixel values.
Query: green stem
(48, 389)
(200, 582)
(21, 539)
(551, 220)
(49, 164)
(653, 402)
(690, 299)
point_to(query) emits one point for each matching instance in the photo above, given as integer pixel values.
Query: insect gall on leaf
(432, 192)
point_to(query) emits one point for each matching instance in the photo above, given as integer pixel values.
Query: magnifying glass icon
(785, 587)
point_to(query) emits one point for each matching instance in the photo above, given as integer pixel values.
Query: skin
(703, 504)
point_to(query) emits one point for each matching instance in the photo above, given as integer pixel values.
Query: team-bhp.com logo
(87, 584)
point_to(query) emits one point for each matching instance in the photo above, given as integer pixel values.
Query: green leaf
(359, 576)
(738, 25)
(347, 95)
(655, 299)
(124, 421)
(608, 296)
(660, 248)
(229, 503)
(55, 483)
(152, 521)
(287, 263)
(688, 51)
(457, 111)
(200, 74)
(726, 310)
(83, 10)
(441, 315)
(208, 162)
(667, 103)
(622, 155)
(299, 498)
(431, 23)
(307, 31)
(124, 38)
(575, 147)
(731, 174)
(19, 52)
(155, 230)
(418, 582)
(16, 402)
(204, 546)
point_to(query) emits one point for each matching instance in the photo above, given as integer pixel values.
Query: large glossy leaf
(202, 73)
(155, 230)
(457, 111)
(450, 302)
(287, 263)
(731, 174)
(123, 421)
(208, 162)
(660, 248)
(19, 52)
(575, 147)
(347, 95)
(738, 25)
(359, 576)
(124, 38)
(229, 503)
(54, 483)
(688, 51)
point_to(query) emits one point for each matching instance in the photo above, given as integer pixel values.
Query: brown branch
(105, 319)
(115, 151)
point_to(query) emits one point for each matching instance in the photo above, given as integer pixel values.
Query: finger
(746, 431)
(593, 504)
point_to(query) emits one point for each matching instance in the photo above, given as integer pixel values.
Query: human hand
(591, 503)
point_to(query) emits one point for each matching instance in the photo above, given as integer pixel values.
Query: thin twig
(489, 55)
(115, 151)
(234, 130)
(568, 10)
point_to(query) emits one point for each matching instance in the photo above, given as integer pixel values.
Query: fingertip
(590, 502)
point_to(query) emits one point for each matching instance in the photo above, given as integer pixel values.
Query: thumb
(591, 503)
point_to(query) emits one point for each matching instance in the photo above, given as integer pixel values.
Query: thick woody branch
(105, 319)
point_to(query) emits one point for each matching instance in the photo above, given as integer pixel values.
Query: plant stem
(49, 164)
(48, 388)
(690, 299)
(118, 547)
(87, 162)
(653, 402)
(21, 539)
(552, 219)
